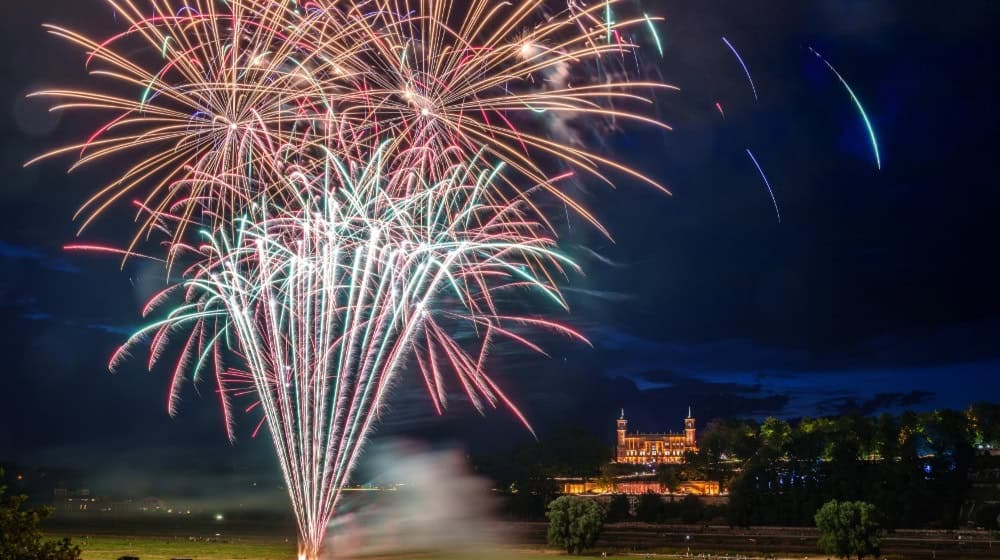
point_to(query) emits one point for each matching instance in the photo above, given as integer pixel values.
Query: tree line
(912, 467)
(846, 529)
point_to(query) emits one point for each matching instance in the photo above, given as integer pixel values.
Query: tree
(848, 529)
(668, 478)
(607, 477)
(574, 523)
(775, 435)
(723, 445)
(695, 466)
(618, 508)
(20, 538)
(950, 443)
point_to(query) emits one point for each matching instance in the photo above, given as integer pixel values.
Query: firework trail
(343, 187)
(654, 33)
(211, 104)
(766, 183)
(231, 93)
(743, 64)
(860, 107)
(358, 281)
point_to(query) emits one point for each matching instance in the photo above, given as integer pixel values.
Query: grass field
(264, 548)
(166, 548)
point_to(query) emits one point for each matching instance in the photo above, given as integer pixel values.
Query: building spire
(623, 414)
(689, 411)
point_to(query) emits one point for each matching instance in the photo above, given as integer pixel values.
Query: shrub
(574, 523)
(20, 537)
(848, 529)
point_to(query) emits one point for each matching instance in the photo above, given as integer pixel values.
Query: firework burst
(311, 310)
(344, 188)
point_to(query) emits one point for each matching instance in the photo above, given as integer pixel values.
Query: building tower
(622, 423)
(689, 431)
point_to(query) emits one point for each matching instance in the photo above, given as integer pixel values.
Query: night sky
(877, 291)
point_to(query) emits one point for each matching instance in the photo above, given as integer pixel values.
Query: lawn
(166, 548)
(273, 548)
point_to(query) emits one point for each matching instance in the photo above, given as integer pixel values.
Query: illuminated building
(647, 450)
(654, 449)
(638, 487)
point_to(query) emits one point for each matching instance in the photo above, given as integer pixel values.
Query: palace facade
(653, 449)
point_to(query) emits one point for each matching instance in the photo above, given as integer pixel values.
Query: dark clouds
(878, 403)
(48, 262)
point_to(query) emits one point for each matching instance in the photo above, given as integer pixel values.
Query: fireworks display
(858, 105)
(344, 187)
(743, 65)
(767, 183)
(345, 191)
